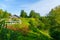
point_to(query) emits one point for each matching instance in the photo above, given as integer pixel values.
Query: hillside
(32, 27)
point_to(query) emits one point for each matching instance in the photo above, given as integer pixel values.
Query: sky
(40, 6)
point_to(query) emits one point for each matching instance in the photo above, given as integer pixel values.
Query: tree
(33, 14)
(1, 13)
(46, 22)
(55, 32)
(54, 17)
(6, 14)
(54, 14)
(23, 14)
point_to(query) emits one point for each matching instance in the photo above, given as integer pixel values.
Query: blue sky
(40, 6)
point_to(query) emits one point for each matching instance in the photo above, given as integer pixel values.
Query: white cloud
(44, 6)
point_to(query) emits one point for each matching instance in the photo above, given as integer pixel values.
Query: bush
(55, 33)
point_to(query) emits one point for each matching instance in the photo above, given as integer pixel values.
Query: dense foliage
(32, 27)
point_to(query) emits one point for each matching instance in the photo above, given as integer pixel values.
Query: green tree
(45, 21)
(6, 14)
(33, 14)
(23, 14)
(54, 17)
(1, 13)
(54, 14)
(55, 32)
